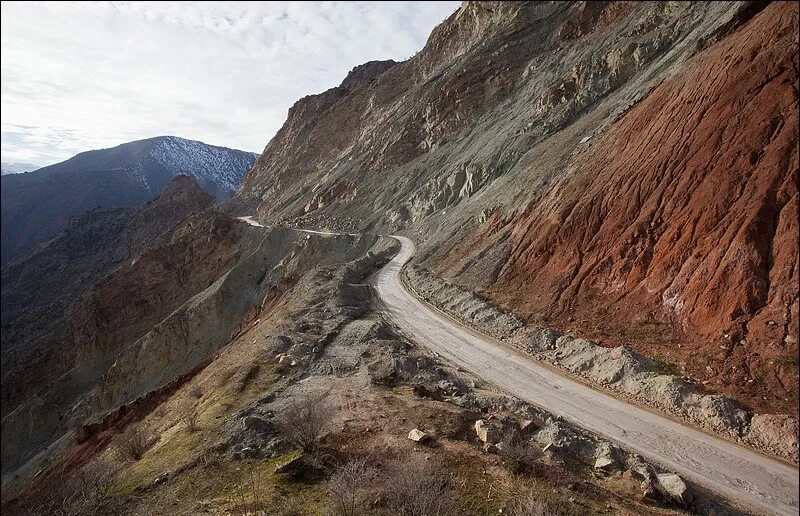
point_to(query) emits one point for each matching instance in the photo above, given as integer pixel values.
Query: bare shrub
(135, 442)
(416, 489)
(189, 417)
(351, 489)
(81, 492)
(531, 504)
(305, 420)
(519, 454)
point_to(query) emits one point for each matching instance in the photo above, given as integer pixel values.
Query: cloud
(80, 76)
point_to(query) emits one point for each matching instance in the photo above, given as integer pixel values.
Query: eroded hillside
(623, 170)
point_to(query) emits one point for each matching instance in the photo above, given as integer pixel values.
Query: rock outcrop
(676, 231)
(40, 290)
(623, 170)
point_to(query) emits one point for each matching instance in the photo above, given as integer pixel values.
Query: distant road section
(754, 481)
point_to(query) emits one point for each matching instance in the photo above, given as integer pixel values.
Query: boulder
(418, 436)
(255, 423)
(290, 466)
(673, 487)
(641, 470)
(488, 432)
(161, 479)
(604, 463)
(421, 391)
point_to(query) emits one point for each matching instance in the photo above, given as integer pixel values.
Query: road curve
(741, 475)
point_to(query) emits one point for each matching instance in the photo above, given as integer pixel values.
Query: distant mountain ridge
(17, 168)
(37, 205)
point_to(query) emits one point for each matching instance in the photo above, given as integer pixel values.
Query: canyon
(610, 188)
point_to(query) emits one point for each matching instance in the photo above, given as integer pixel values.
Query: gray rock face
(462, 303)
(774, 433)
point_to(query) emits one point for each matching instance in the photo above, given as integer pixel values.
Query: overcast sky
(81, 76)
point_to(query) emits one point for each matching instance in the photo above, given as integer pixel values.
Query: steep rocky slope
(591, 166)
(155, 319)
(40, 289)
(39, 204)
(683, 215)
(617, 170)
(322, 335)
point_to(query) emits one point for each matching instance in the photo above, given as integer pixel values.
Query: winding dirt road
(745, 477)
(748, 479)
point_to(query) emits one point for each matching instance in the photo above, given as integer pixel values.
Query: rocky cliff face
(623, 170)
(40, 290)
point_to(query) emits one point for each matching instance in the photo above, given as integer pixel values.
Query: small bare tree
(84, 491)
(350, 489)
(305, 420)
(416, 489)
(135, 442)
(189, 417)
(519, 454)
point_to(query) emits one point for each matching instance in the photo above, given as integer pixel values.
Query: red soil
(676, 233)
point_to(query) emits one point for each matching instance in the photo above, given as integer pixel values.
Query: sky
(79, 76)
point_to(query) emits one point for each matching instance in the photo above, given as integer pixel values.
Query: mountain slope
(514, 147)
(37, 205)
(17, 168)
(684, 214)
(40, 288)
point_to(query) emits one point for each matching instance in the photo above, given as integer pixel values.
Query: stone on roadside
(604, 463)
(672, 486)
